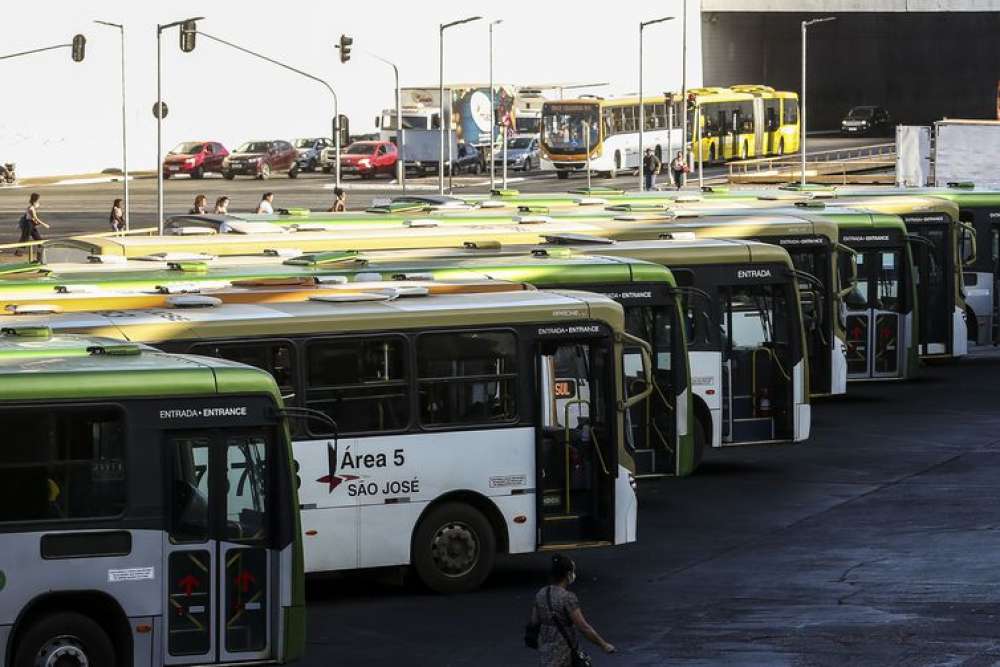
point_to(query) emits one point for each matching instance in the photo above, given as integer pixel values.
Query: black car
(468, 160)
(866, 121)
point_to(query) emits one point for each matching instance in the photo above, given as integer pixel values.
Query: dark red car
(195, 158)
(367, 159)
(261, 159)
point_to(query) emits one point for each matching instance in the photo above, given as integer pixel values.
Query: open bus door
(577, 438)
(932, 252)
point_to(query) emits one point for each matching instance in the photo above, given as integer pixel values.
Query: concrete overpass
(921, 59)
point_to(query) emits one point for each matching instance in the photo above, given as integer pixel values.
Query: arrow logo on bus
(333, 479)
(188, 584)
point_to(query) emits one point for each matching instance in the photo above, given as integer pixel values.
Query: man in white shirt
(265, 203)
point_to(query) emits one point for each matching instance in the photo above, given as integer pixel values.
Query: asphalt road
(83, 208)
(876, 543)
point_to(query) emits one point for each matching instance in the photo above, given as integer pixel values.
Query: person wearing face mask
(559, 620)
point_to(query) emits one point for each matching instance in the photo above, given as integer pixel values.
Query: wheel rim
(62, 651)
(455, 549)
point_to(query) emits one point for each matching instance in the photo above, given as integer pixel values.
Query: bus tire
(562, 175)
(454, 548)
(74, 635)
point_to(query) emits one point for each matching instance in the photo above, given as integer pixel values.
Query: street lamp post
(642, 106)
(684, 89)
(802, 114)
(400, 168)
(441, 112)
(160, 27)
(493, 118)
(126, 210)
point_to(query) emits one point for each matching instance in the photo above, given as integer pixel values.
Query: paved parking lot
(877, 543)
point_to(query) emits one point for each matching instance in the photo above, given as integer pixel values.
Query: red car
(195, 158)
(261, 159)
(367, 159)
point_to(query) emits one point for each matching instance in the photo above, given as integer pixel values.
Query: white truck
(964, 152)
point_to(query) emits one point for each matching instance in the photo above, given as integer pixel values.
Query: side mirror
(378, 121)
(967, 242)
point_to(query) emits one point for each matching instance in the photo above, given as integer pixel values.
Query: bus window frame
(517, 380)
(409, 359)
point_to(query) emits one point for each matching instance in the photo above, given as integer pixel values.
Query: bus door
(935, 296)
(219, 555)
(651, 425)
(760, 146)
(577, 454)
(757, 364)
(875, 346)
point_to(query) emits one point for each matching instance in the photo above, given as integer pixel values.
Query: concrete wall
(921, 66)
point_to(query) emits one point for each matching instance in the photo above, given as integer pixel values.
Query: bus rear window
(62, 463)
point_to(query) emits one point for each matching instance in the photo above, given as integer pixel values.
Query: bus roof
(703, 252)
(241, 320)
(36, 365)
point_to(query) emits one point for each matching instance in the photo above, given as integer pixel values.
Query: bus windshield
(563, 127)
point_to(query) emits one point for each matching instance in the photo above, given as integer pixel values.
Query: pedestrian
(200, 206)
(650, 168)
(340, 201)
(29, 222)
(117, 216)
(222, 206)
(265, 206)
(678, 167)
(559, 619)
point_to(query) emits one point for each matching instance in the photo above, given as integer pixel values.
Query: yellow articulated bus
(742, 122)
(738, 122)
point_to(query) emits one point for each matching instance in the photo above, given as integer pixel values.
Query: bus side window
(362, 383)
(467, 377)
(62, 463)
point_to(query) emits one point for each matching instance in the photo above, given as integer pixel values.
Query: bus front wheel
(454, 548)
(64, 638)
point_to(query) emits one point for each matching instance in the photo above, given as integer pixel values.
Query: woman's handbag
(531, 632)
(578, 658)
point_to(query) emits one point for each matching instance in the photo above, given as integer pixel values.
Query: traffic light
(79, 47)
(189, 30)
(345, 48)
(344, 127)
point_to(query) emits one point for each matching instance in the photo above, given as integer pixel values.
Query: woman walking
(117, 216)
(29, 222)
(561, 621)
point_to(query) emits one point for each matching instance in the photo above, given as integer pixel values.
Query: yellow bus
(742, 121)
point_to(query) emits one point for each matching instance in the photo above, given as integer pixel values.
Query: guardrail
(35, 250)
(834, 161)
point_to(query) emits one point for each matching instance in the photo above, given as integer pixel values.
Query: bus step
(753, 430)
(645, 461)
(563, 528)
(742, 407)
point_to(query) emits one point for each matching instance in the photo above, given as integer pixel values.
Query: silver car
(523, 153)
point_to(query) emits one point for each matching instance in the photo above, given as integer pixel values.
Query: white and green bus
(459, 426)
(148, 508)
